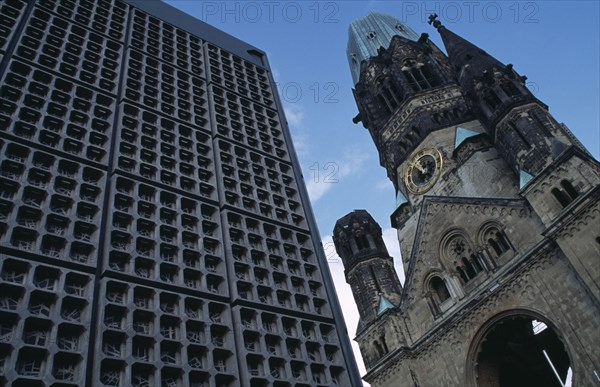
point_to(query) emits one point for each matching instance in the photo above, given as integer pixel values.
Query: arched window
(566, 195)
(462, 274)
(388, 97)
(540, 123)
(419, 75)
(509, 89)
(378, 348)
(561, 196)
(469, 268)
(438, 287)
(362, 242)
(492, 242)
(519, 133)
(492, 100)
(502, 241)
(384, 344)
(456, 112)
(384, 105)
(395, 92)
(569, 189)
(402, 147)
(475, 263)
(495, 239)
(471, 273)
(415, 132)
(458, 252)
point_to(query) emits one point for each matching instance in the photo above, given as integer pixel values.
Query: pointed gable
(442, 212)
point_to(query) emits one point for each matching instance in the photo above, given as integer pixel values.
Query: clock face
(423, 170)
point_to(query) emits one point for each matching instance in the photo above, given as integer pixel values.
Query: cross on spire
(433, 20)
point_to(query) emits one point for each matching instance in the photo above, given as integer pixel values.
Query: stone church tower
(498, 219)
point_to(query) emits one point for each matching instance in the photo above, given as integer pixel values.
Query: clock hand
(420, 167)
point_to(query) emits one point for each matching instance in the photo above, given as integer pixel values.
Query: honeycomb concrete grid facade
(154, 228)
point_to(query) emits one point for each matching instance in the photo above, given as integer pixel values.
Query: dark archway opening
(521, 351)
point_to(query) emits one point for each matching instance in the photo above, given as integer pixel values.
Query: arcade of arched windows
(376, 349)
(504, 90)
(387, 95)
(494, 240)
(381, 346)
(466, 263)
(509, 89)
(419, 75)
(565, 193)
(409, 140)
(447, 115)
(490, 97)
(463, 263)
(362, 242)
(392, 84)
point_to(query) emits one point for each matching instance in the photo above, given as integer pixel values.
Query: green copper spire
(367, 35)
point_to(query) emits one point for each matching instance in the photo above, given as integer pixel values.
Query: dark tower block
(497, 212)
(155, 229)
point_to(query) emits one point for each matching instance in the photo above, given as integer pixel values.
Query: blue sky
(556, 44)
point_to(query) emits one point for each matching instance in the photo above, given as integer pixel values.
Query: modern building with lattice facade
(154, 226)
(498, 220)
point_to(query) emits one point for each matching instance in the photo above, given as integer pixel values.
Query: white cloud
(353, 161)
(294, 115)
(324, 178)
(344, 293)
(390, 238)
(384, 185)
(276, 73)
(316, 189)
(301, 145)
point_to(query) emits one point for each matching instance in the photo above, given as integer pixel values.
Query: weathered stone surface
(485, 258)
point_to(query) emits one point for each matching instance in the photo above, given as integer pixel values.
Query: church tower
(497, 213)
(359, 241)
(370, 272)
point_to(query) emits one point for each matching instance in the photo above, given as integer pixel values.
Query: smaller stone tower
(368, 267)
